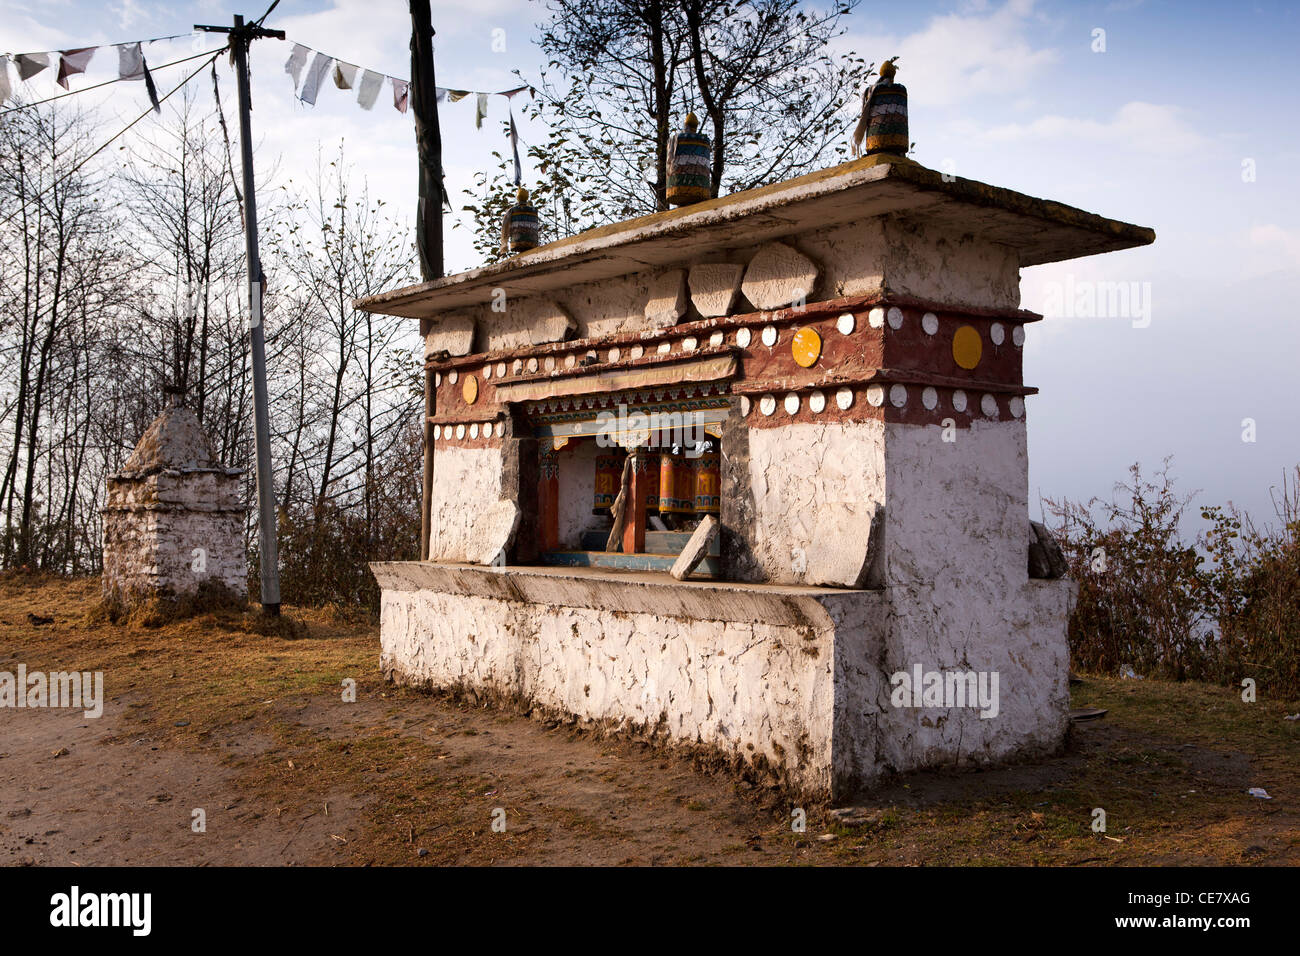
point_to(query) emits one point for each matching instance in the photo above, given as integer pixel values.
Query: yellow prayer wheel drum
(676, 486)
(708, 484)
(609, 478)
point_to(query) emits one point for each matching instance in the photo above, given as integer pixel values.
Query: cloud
(1273, 238)
(980, 51)
(129, 12)
(1144, 127)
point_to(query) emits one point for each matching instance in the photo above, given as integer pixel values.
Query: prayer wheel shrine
(826, 371)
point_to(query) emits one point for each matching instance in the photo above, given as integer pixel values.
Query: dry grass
(1170, 764)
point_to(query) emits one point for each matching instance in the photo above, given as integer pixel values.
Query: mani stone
(846, 540)
(696, 548)
(667, 302)
(493, 533)
(454, 335)
(1046, 559)
(550, 323)
(778, 276)
(714, 287)
(174, 517)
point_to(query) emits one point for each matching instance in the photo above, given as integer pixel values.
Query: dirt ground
(251, 729)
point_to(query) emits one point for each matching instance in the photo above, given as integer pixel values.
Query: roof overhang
(1038, 229)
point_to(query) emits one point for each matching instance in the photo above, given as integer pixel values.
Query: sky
(1180, 116)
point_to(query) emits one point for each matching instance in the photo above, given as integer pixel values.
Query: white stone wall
(749, 691)
(960, 599)
(801, 471)
(169, 534)
(577, 492)
(466, 481)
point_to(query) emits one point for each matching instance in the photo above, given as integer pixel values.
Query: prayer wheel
(676, 485)
(708, 484)
(609, 478)
(689, 171)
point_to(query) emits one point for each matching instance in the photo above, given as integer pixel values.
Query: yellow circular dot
(469, 391)
(967, 347)
(806, 347)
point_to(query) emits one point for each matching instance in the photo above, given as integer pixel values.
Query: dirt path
(253, 730)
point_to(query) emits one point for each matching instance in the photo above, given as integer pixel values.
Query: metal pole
(270, 553)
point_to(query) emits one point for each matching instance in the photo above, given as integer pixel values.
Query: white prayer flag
(130, 62)
(368, 92)
(297, 60)
(480, 110)
(315, 73)
(4, 79)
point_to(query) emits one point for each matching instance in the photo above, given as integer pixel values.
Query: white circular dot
(473, 430)
(1018, 336)
(532, 364)
(452, 376)
(959, 400)
(769, 336)
(636, 351)
(929, 397)
(876, 318)
(487, 372)
(895, 317)
(875, 396)
(437, 432)
(487, 430)
(817, 402)
(846, 323)
(844, 398)
(989, 406)
(1017, 406)
(501, 369)
(791, 403)
(615, 355)
(570, 360)
(437, 378)
(744, 406)
(460, 431)
(550, 363)
(743, 337)
(516, 366)
(930, 323)
(665, 348)
(717, 338)
(690, 344)
(767, 404)
(898, 395)
(998, 333)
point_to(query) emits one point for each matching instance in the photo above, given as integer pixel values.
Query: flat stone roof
(1039, 229)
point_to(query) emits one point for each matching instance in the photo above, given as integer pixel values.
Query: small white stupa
(174, 520)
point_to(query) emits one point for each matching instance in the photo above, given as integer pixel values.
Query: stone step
(709, 567)
(656, 542)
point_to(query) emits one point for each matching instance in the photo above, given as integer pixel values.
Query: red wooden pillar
(634, 526)
(548, 501)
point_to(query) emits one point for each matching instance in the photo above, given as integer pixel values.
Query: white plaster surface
(799, 471)
(747, 690)
(466, 482)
